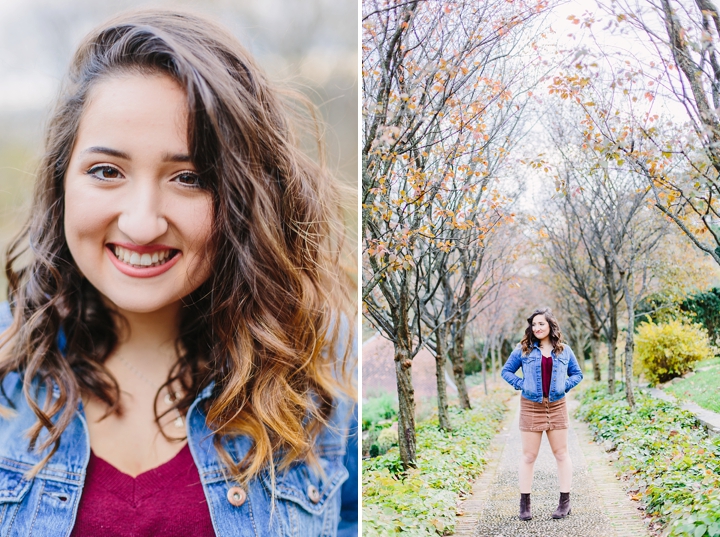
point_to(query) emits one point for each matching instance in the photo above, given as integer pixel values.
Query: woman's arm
(574, 373)
(511, 366)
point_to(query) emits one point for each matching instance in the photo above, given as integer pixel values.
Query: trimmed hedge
(423, 501)
(671, 464)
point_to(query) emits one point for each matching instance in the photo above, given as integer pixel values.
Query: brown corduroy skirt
(545, 416)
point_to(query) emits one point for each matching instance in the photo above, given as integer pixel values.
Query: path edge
(471, 508)
(622, 512)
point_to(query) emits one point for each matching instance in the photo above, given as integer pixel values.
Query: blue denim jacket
(306, 503)
(566, 373)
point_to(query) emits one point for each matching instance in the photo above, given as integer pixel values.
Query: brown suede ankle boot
(563, 508)
(525, 507)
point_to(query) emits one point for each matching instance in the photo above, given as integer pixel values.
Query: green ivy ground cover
(423, 501)
(670, 462)
(702, 388)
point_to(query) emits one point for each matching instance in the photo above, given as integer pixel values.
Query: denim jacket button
(236, 496)
(313, 493)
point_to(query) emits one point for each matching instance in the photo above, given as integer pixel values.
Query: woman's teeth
(141, 260)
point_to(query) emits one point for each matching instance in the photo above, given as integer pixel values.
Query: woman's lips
(141, 271)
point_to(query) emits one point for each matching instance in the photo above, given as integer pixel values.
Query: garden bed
(664, 455)
(423, 500)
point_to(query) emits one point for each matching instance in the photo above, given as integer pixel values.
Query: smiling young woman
(550, 370)
(179, 351)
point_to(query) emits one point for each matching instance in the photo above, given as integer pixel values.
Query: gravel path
(599, 505)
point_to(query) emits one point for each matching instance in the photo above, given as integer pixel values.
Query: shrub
(387, 439)
(382, 407)
(656, 308)
(705, 307)
(669, 350)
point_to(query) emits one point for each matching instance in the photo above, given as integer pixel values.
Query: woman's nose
(141, 219)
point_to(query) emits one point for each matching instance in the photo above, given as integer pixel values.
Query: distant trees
(612, 231)
(623, 170)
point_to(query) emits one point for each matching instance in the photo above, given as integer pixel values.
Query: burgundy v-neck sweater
(167, 501)
(546, 364)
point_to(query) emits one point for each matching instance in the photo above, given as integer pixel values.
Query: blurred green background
(310, 45)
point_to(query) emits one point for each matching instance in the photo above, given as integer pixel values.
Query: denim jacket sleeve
(511, 366)
(574, 373)
(348, 526)
(6, 317)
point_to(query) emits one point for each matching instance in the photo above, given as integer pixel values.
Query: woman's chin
(127, 303)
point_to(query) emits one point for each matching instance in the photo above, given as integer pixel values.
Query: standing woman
(550, 370)
(177, 358)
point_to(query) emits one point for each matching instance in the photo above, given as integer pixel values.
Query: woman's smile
(142, 262)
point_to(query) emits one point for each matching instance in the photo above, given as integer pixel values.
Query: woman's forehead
(135, 113)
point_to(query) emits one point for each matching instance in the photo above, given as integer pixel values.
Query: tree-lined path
(600, 506)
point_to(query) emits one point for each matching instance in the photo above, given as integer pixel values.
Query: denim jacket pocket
(13, 488)
(310, 503)
(529, 364)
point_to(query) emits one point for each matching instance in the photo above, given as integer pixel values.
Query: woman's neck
(147, 340)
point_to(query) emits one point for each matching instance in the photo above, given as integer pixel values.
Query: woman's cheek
(87, 218)
(198, 229)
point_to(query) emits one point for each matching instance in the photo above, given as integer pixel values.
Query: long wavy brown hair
(529, 338)
(278, 298)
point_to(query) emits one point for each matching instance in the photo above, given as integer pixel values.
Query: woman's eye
(104, 173)
(189, 179)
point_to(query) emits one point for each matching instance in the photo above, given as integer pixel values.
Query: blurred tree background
(310, 46)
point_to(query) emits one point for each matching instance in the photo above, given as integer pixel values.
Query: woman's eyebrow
(167, 157)
(177, 157)
(106, 151)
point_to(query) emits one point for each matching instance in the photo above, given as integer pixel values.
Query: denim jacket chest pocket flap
(306, 487)
(13, 485)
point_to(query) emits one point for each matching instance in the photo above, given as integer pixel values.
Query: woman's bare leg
(558, 442)
(530, 447)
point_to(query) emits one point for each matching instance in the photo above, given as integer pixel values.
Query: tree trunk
(629, 341)
(612, 351)
(458, 331)
(594, 343)
(491, 352)
(406, 407)
(440, 358)
(483, 359)
(613, 322)
(403, 374)
(458, 362)
(576, 345)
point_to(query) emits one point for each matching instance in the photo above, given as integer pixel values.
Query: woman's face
(137, 222)
(540, 327)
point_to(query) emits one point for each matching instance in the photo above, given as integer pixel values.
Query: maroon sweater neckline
(133, 490)
(163, 502)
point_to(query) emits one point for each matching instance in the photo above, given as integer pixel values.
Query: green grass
(715, 360)
(702, 388)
